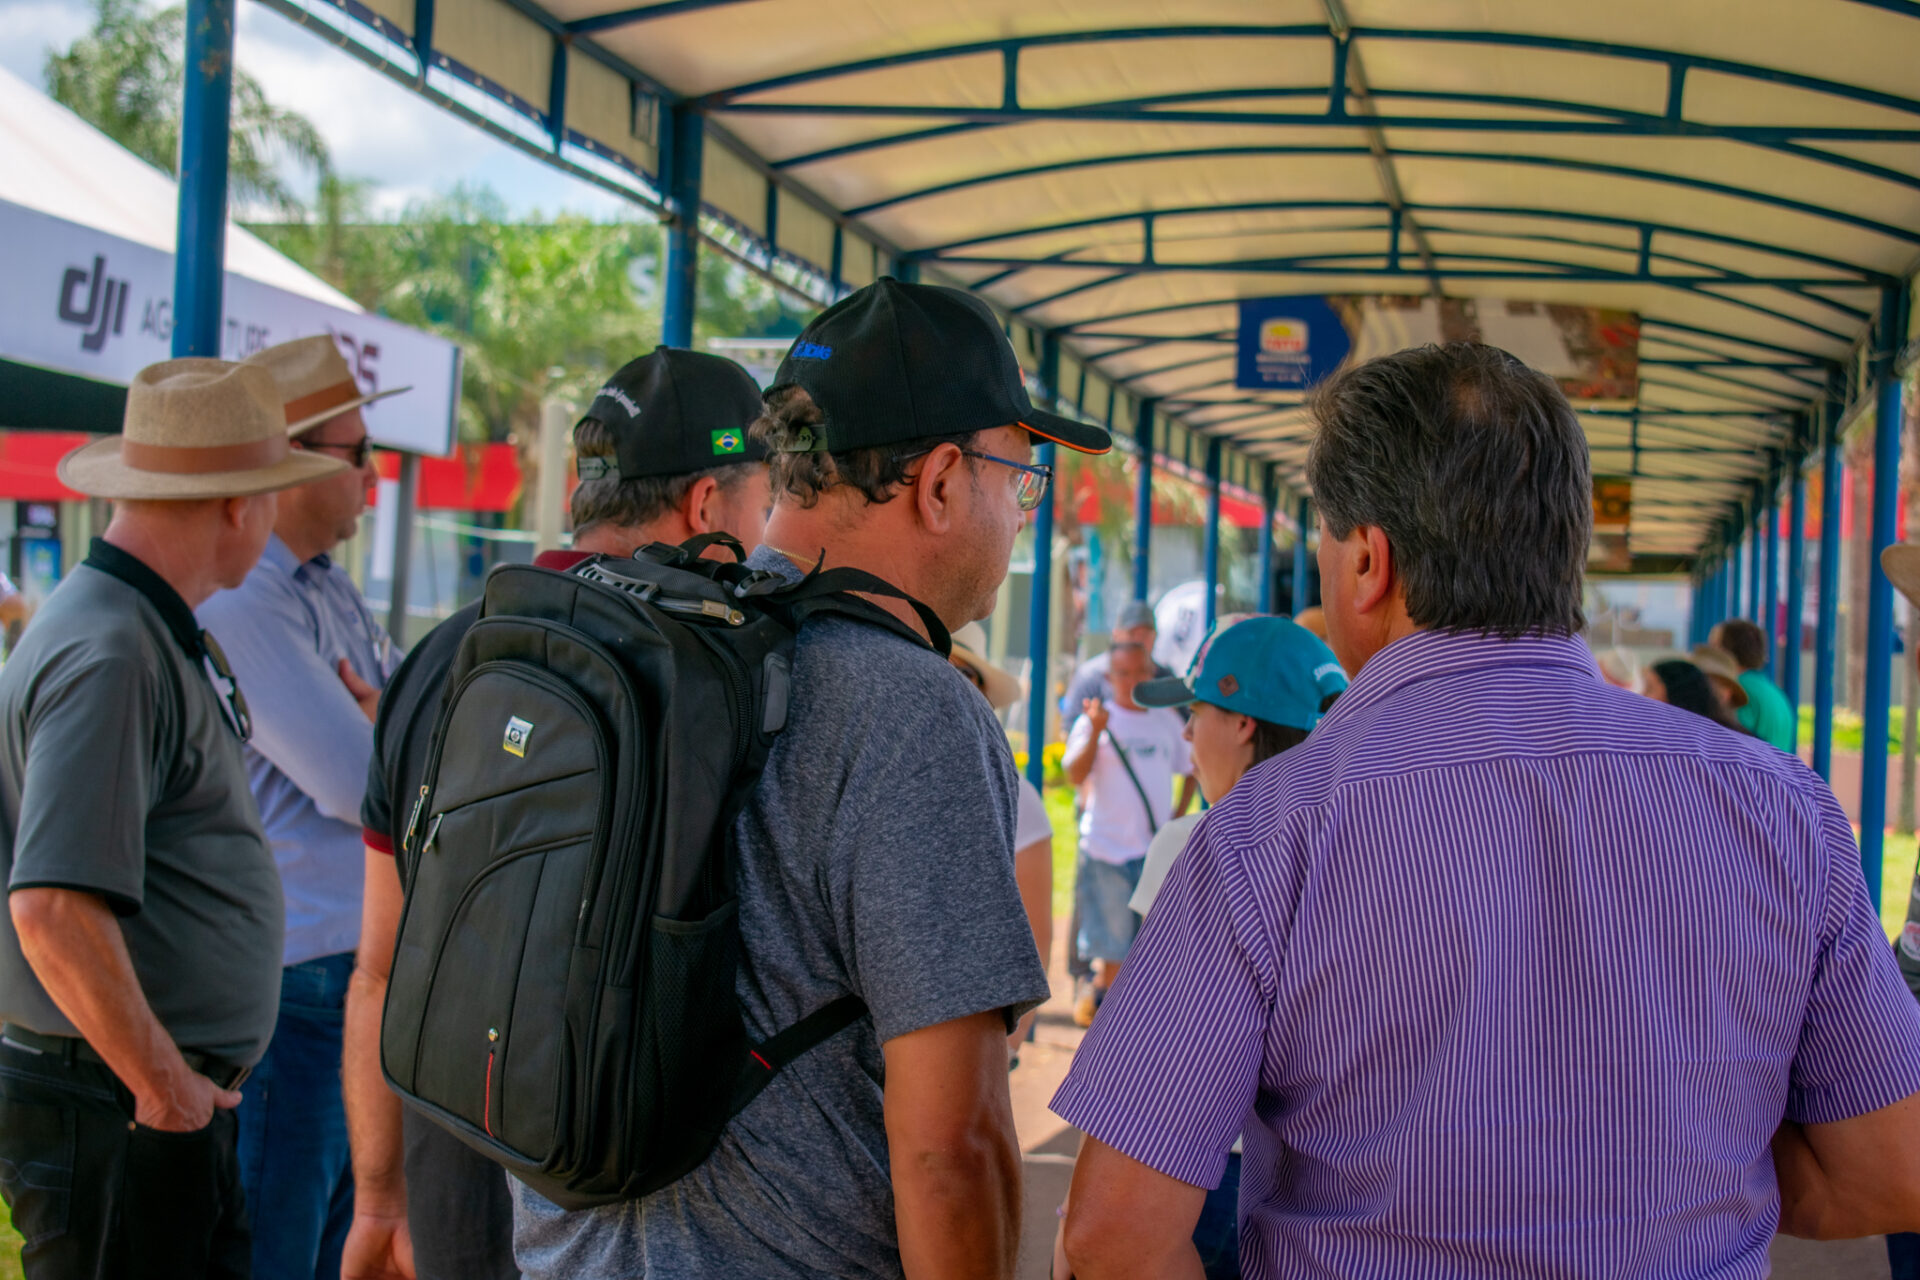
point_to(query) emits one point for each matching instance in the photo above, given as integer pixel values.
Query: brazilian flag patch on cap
(729, 442)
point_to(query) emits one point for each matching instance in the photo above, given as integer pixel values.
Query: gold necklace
(808, 562)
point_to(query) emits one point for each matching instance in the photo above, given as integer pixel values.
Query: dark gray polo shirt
(120, 775)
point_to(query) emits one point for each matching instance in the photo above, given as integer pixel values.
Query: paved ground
(1050, 1145)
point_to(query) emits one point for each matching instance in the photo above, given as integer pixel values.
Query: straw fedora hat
(969, 647)
(196, 428)
(314, 380)
(1902, 566)
(1718, 664)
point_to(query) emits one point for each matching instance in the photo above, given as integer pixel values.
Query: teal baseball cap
(1272, 669)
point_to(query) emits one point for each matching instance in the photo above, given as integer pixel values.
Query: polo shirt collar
(560, 561)
(1427, 655)
(130, 569)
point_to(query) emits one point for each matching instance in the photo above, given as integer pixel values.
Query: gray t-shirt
(119, 775)
(876, 857)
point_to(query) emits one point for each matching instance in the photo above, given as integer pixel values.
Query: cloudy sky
(377, 130)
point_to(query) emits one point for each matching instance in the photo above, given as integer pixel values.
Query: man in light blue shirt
(311, 659)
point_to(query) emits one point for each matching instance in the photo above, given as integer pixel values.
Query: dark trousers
(1903, 1256)
(94, 1195)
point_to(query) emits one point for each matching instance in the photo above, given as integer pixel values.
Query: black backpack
(562, 993)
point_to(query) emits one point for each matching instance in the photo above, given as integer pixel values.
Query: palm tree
(124, 77)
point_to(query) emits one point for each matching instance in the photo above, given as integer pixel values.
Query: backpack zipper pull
(413, 819)
(433, 833)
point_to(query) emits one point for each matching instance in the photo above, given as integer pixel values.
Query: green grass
(1849, 728)
(9, 1247)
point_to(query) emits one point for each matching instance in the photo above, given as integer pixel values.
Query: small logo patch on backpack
(515, 741)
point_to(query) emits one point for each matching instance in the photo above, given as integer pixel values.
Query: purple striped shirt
(1504, 972)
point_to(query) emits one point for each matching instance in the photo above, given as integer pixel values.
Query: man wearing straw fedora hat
(139, 959)
(304, 644)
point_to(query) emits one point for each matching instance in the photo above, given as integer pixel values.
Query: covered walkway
(1708, 212)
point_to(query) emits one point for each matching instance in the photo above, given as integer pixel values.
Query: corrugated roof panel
(804, 230)
(1131, 70)
(734, 187)
(600, 105)
(1584, 79)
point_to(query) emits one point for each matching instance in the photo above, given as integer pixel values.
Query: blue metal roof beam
(1686, 182)
(1867, 275)
(1671, 59)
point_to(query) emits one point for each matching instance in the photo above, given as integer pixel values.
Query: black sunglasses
(356, 453)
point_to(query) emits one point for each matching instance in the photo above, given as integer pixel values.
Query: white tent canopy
(86, 247)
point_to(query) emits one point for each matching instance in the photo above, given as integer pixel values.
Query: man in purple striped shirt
(1503, 972)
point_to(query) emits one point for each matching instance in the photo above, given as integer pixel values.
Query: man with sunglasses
(140, 953)
(312, 659)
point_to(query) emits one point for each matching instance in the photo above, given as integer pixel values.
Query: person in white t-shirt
(1125, 757)
(1257, 688)
(1032, 828)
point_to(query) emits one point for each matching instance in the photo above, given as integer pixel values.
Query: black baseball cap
(673, 412)
(895, 362)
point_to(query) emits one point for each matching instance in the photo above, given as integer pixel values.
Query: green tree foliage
(124, 78)
(541, 308)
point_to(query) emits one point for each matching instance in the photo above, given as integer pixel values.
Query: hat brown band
(322, 400)
(187, 460)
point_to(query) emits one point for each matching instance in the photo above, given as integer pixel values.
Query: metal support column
(1269, 511)
(1737, 565)
(680, 164)
(1213, 532)
(1143, 501)
(1787, 653)
(1302, 595)
(1039, 612)
(1878, 700)
(200, 243)
(1832, 484)
(1755, 560)
(401, 584)
(1770, 589)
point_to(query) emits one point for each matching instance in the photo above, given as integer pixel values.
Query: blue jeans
(1217, 1234)
(293, 1130)
(1104, 891)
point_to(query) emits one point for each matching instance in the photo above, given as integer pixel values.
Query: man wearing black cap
(663, 454)
(876, 854)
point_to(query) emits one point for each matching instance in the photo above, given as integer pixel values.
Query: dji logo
(106, 305)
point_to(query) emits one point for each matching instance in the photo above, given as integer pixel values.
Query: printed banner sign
(1289, 344)
(85, 302)
(1295, 343)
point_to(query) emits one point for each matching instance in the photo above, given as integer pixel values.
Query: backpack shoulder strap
(833, 591)
(768, 1058)
(1153, 823)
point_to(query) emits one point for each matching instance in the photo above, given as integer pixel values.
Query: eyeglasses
(356, 453)
(1031, 484)
(232, 701)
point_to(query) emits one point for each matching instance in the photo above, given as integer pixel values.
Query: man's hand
(379, 1247)
(363, 693)
(1096, 713)
(181, 1105)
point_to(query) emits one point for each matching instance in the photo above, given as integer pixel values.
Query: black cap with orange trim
(896, 362)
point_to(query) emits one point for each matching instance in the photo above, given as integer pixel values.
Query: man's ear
(1372, 569)
(697, 507)
(933, 489)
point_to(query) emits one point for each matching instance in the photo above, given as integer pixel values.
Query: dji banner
(82, 301)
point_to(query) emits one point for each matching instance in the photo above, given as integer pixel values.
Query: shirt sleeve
(1859, 1045)
(305, 723)
(924, 841)
(89, 783)
(1032, 825)
(1170, 1069)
